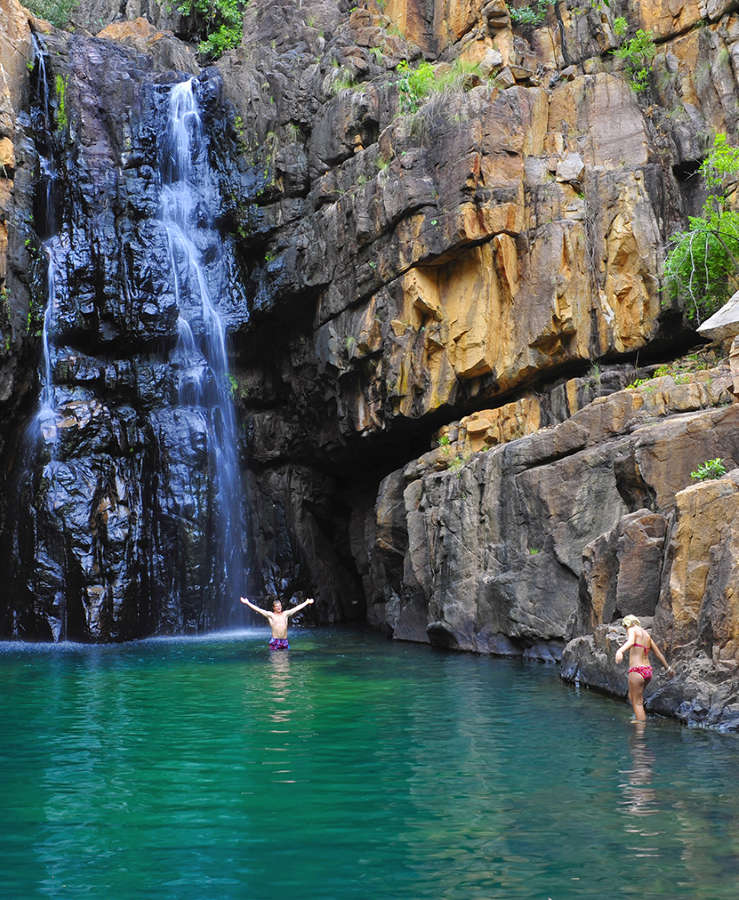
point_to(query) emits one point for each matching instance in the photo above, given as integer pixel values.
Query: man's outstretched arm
(262, 612)
(291, 612)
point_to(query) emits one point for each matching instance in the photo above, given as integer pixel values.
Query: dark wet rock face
(119, 504)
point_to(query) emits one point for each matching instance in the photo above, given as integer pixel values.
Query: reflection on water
(279, 685)
(278, 697)
(639, 796)
(348, 767)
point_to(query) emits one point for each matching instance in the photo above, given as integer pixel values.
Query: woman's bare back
(639, 651)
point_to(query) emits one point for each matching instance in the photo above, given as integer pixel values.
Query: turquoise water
(350, 767)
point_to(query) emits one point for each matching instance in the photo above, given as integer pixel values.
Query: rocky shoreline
(702, 693)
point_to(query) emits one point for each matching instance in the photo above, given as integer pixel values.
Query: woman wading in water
(638, 643)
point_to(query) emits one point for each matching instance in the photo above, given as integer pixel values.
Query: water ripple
(349, 767)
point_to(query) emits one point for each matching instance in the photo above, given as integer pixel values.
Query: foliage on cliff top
(58, 12)
(218, 22)
(702, 269)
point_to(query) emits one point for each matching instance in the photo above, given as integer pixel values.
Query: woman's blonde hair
(628, 621)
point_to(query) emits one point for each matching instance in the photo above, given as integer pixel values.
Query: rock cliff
(436, 304)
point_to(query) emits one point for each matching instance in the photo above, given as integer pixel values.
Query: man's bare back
(278, 620)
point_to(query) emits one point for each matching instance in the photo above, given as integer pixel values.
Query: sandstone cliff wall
(492, 259)
(414, 267)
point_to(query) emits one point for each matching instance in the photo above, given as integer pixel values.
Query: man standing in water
(277, 621)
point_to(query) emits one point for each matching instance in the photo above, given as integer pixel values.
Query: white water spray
(45, 421)
(201, 352)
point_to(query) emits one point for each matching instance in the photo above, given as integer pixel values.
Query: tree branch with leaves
(702, 269)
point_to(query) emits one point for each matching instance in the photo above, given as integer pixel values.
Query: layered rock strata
(492, 553)
(411, 267)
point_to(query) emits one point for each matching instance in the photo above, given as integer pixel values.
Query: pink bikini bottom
(644, 671)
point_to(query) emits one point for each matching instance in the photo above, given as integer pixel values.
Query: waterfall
(39, 57)
(44, 422)
(130, 475)
(39, 450)
(45, 419)
(200, 356)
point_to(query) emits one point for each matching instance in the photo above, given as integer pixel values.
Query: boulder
(723, 325)
(622, 571)
(699, 603)
(590, 661)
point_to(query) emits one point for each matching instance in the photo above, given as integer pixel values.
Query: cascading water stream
(44, 422)
(201, 353)
(46, 415)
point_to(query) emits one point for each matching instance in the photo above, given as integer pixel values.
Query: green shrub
(702, 269)
(638, 55)
(711, 468)
(416, 85)
(61, 102)
(702, 263)
(530, 16)
(225, 37)
(456, 464)
(219, 23)
(720, 166)
(637, 383)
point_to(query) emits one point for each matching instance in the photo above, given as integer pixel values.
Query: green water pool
(348, 767)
